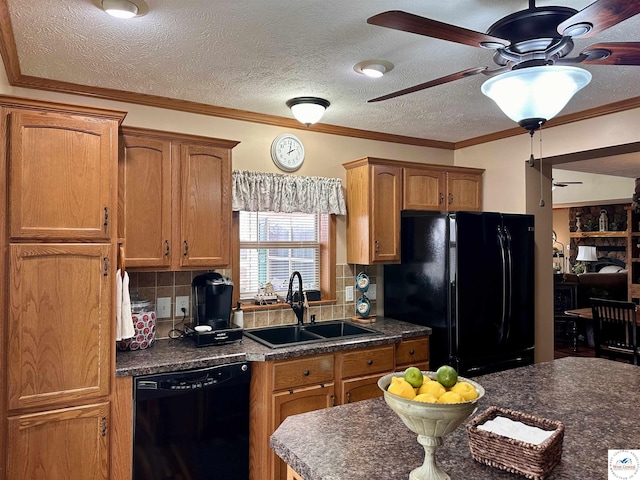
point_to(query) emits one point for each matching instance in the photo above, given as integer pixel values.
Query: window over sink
(273, 245)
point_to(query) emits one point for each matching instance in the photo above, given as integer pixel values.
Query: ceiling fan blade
(621, 53)
(601, 15)
(432, 83)
(408, 22)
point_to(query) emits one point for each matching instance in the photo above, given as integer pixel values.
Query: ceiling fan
(537, 36)
(564, 184)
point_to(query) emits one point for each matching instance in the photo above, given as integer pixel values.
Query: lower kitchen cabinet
(47, 444)
(360, 370)
(289, 387)
(413, 353)
(294, 402)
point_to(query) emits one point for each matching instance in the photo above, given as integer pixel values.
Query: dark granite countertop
(170, 355)
(597, 400)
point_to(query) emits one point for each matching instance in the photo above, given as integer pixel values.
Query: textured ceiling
(254, 55)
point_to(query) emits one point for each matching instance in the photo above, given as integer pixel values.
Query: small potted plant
(578, 268)
(614, 226)
(591, 226)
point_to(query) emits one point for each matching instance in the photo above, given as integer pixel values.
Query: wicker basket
(516, 456)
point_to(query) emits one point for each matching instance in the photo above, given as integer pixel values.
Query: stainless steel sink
(287, 335)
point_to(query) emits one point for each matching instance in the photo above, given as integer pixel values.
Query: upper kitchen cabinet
(450, 189)
(378, 190)
(175, 199)
(464, 191)
(374, 201)
(62, 175)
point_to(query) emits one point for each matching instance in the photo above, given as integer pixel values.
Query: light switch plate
(182, 302)
(348, 294)
(164, 307)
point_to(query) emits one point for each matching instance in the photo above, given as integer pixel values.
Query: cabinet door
(62, 170)
(362, 388)
(205, 206)
(464, 191)
(423, 189)
(65, 444)
(386, 201)
(293, 403)
(145, 196)
(59, 328)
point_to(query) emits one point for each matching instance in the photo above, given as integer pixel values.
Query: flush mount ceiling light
(373, 68)
(308, 110)
(530, 96)
(123, 8)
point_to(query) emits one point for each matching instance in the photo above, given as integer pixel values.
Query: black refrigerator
(469, 276)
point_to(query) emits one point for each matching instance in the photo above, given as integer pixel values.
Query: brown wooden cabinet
(175, 199)
(288, 387)
(60, 181)
(57, 288)
(359, 371)
(59, 329)
(374, 201)
(377, 191)
(69, 443)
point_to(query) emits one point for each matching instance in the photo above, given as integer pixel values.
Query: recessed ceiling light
(373, 68)
(123, 8)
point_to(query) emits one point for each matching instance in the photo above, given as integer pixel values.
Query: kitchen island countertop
(597, 400)
(169, 355)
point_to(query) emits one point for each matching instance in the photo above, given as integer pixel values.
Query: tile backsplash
(154, 285)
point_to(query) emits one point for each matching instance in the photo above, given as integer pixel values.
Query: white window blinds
(274, 245)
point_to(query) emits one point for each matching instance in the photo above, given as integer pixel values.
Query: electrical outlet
(372, 291)
(164, 307)
(182, 302)
(348, 294)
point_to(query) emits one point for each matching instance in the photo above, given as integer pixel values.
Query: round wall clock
(287, 152)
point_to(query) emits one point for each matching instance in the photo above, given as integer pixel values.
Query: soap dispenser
(238, 316)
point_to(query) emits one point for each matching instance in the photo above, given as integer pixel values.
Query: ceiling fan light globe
(539, 92)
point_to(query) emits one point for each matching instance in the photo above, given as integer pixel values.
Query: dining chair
(615, 328)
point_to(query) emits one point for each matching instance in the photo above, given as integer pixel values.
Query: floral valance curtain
(276, 192)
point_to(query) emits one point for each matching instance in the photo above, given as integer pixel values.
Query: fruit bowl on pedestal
(431, 421)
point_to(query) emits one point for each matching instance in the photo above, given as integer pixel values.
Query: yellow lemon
(425, 397)
(402, 388)
(450, 397)
(433, 388)
(466, 390)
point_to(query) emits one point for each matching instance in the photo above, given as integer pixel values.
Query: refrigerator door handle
(509, 297)
(503, 255)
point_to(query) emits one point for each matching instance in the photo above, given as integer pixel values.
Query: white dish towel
(124, 322)
(517, 430)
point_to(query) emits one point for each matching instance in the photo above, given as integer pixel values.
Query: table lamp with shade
(585, 255)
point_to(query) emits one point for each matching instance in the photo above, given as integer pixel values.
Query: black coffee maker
(212, 298)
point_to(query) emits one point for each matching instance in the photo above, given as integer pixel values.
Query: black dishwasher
(192, 424)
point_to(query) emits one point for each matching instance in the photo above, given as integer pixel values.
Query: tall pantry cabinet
(58, 180)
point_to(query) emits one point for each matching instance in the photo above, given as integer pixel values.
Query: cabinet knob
(411, 352)
(377, 246)
(369, 362)
(186, 248)
(450, 198)
(441, 197)
(106, 216)
(306, 373)
(166, 248)
(348, 397)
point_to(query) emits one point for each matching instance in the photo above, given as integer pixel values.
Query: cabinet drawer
(410, 352)
(365, 362)
(305, 371)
